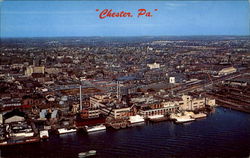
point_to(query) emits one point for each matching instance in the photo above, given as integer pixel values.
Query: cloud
(174, 4)
(177, 4)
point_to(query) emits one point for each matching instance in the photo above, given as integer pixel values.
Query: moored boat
(136, 119)
(95, 128)
(16, 141)
(183, 119)
(65, 130)
(22, 134)
(199, 116)
(44, 134)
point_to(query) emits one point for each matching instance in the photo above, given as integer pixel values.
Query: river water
(224, 133)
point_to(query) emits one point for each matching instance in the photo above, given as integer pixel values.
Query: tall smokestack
(80, 98)
(117, 89)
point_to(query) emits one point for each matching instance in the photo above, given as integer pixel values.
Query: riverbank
(223, 133)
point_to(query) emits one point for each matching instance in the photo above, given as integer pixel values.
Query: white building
(227, 70)
(162, 108)
(153, 66)
(34, 69)
(171, 79)
(191, 103)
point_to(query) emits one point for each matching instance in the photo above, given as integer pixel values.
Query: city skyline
(94, 79)
(80, 18)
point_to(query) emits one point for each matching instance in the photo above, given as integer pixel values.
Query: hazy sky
(80, 18)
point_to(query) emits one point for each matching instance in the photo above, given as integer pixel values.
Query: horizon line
(121, 36)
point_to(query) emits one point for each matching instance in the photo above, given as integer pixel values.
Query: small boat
(136, 119)
(92, 152)
(65, 130)
(95, 128)
(183, 119)
(83, 154)
(198, 116)
(3, 143)
(22, 134)
(86, 154)
(44, 134)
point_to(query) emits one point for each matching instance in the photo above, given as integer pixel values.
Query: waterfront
(222, 134)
